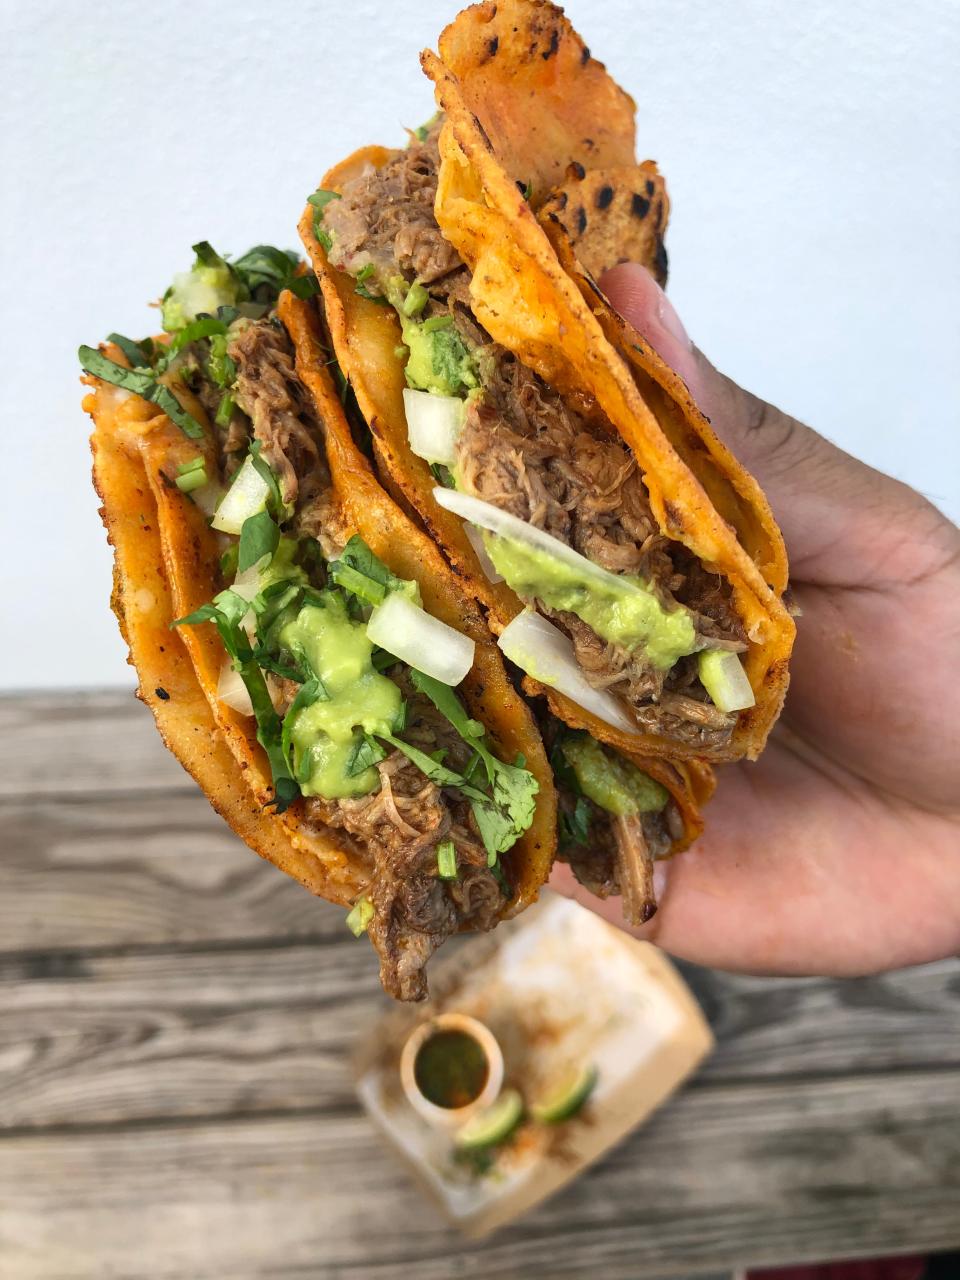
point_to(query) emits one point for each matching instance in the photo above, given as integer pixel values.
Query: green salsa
(622, 610)
(325, 734)
(201, 290)
(610, 781)
(439, 360)
(451, 1069)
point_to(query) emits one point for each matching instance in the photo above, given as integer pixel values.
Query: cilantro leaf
(202, 327)
(360, 572)
(437, 772)
(225, 612)
(265, 472)
(140, 384)
(366, 752)
(320, 199)
(134, 352)
(310, 691)
(267, 271)
(259, 537)
(504, 815)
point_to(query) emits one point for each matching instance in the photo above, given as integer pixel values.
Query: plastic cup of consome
(450, 1067)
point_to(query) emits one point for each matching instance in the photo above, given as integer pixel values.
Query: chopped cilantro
(360, 572)
(504, 815)
(140, 384)
(447, 860)
(134, 351)
(225, 612)
(366, 752)
(259, 536)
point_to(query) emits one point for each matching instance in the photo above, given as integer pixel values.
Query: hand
(839, 851)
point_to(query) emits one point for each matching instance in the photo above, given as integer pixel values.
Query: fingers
(815, 881)
(818, 493)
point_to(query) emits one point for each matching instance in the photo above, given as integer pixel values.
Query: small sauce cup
(450, 1067)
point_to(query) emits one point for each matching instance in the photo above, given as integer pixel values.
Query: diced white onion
(247, 584)
(492, 518)
(232, 691)
(722, 675)
(246, 497)
(433, 425)
(415, 637)
(544, 652)
(475, 538)
(208, 497)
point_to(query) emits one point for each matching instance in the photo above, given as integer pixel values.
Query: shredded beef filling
(395, 830)
(596, 864)
(529, 451)
(400, 826)
(385, 219)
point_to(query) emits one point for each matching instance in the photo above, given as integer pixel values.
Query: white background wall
(811, 151)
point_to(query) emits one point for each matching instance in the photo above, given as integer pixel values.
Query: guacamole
(611, 781)
(439, 360)
(326, 734)
(621, 610)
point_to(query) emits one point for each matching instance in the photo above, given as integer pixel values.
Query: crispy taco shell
(524, 298)
(131, 432)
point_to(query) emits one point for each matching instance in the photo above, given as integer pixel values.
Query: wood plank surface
(139, 869)
(105, 1038)
(176, 1020)
(724, 1175)
(99, 742)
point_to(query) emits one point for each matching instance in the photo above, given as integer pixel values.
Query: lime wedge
(567, 1098)
(493, 1125)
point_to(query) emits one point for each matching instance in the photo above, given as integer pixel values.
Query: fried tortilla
(428, 809)
(577, 485)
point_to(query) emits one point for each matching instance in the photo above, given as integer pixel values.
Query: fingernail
(661, 872)
(669, 319)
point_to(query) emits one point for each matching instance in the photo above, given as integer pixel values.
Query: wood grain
(106, 1038)
(176, 1019)
(101, 743)
(142, 868)
(724, 1175)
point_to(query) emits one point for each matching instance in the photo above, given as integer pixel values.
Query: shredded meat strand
(400, 825)
(530, 451)
(635, 870)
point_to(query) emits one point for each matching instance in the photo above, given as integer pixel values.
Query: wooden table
(175, 1023)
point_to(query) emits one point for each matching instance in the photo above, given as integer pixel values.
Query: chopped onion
(489, 517)
(246, 497)
(232, 691)
(413, 636)
(433, 425)
(208, 497)
(247, 584)
(723, 677)
(475, 538)
(544, 652)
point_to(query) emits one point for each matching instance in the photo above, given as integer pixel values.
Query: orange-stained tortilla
(524, 298)
(141, 600)
(613, 216)
(130, 430)
(533, 88)
(365, 336)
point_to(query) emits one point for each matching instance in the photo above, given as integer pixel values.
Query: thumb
(753, 429)
(815, 489)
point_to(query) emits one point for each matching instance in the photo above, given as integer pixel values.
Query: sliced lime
(493, 1125)
(567, 1098)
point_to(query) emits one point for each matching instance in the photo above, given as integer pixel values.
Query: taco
(307, 653)
(628, 564)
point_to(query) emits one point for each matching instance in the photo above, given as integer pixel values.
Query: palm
(839, 851)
